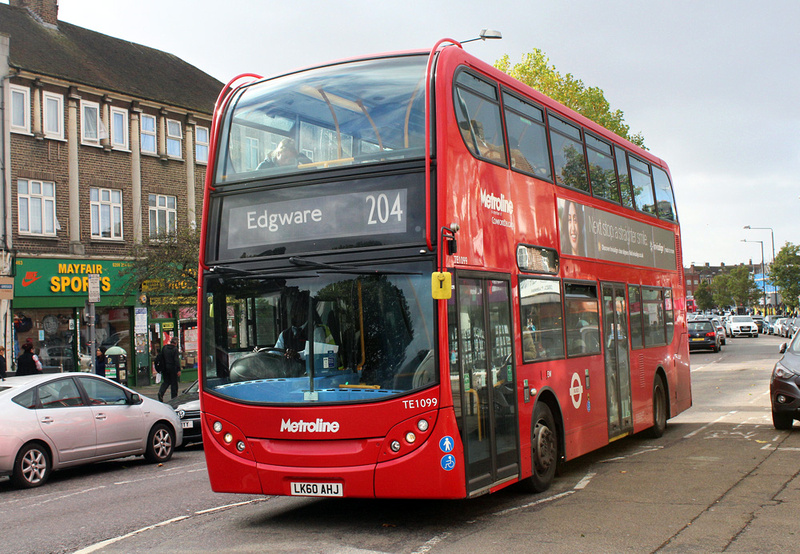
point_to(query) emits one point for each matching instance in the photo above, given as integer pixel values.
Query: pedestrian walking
(26, 364)
(171, 371)
(100, 362)
(2, 363)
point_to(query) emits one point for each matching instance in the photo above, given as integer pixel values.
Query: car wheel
(32, 467)
(781, 421)
(545, 449)
(160, 444)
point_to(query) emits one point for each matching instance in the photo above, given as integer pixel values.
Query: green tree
(165, 267)
(536, 71)
(704, 297)
(785, 274)
(721, 291)
(743, 286)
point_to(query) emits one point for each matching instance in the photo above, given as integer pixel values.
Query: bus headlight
(410, 437)
(395, 446)
(422, 425)
(217, 426)
(228, 438)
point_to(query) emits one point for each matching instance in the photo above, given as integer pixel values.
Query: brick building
(104, 142)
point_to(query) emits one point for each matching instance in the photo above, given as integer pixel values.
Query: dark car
(703, 335)
(784, 386)
(187, 406)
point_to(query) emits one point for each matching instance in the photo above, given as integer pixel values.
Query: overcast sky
(713, 86)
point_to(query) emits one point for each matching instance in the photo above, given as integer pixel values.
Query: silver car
(59, 420)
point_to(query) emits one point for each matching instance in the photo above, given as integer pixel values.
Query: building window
(163, 215)
(148, 134)
(90, 123)
(20, 109)
(53, 116)
(119, 128)
(174, 139)
(201, 148)
(106, 207)
(37, 207)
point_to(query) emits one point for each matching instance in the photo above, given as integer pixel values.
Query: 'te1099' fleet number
(420, 403)
(379, 211)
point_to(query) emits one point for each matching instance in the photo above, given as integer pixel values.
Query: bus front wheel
(544, 449)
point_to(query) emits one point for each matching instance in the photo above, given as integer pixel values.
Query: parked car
(720, 330)
(769, 324)
(779, 327)
(60, 357)
(702, 334)
(187, 406)
(56, 420)
(742, 325)
(784, 386)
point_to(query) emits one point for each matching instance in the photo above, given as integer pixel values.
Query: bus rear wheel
(659, 408)
(544, 449)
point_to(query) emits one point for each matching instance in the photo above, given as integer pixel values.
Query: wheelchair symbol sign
(446, 444)
(448, 462)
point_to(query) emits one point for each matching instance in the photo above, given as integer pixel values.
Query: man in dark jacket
(172, 369)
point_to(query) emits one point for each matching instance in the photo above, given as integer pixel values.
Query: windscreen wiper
(221, 271)
(300, 262)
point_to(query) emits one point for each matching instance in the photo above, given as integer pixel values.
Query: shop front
(50, 310)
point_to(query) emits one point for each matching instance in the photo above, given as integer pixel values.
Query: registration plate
(317, 489)
(187, 424)
(698, 339)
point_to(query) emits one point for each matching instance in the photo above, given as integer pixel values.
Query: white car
(720, 330)
(57, 420)
(742, 325)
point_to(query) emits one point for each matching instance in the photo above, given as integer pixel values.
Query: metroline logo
(492, 202)
(318, 426)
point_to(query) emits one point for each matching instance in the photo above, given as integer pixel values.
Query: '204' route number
(379, 211)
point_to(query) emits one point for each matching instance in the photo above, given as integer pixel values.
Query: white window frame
(174, 140)
(15, 92)
(39, 205)
(106, 204)
(53, 133)
(119, 145)
(147, 133)
(85, 139)
(201, 146)
(166, 207)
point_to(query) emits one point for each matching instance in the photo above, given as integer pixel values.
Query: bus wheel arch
(547, 443)
(661, 409)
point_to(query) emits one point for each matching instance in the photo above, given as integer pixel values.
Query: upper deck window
(478, 114)
(527, 138)
(568, 157)
(665, 200)
(354, 113)
(642, 186)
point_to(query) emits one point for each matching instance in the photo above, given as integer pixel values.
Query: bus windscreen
(358, 113)
(320, 336)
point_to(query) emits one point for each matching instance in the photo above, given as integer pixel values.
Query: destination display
(364, 212)
(592, 233)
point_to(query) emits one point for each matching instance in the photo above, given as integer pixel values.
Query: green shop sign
(62, 278)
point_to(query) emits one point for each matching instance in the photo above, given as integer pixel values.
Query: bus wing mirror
(441, 285)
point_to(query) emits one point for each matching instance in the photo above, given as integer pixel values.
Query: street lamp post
(763, 270)
(774, 293)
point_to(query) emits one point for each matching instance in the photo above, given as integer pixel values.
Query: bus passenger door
(484, 381)
(617, 363)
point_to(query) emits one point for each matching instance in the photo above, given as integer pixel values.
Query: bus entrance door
(484, 367)
(617, 363)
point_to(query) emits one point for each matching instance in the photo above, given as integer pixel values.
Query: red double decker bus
(422, 278)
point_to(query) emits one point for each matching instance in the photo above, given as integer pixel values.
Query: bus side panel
(231, 473)
(431, 471)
